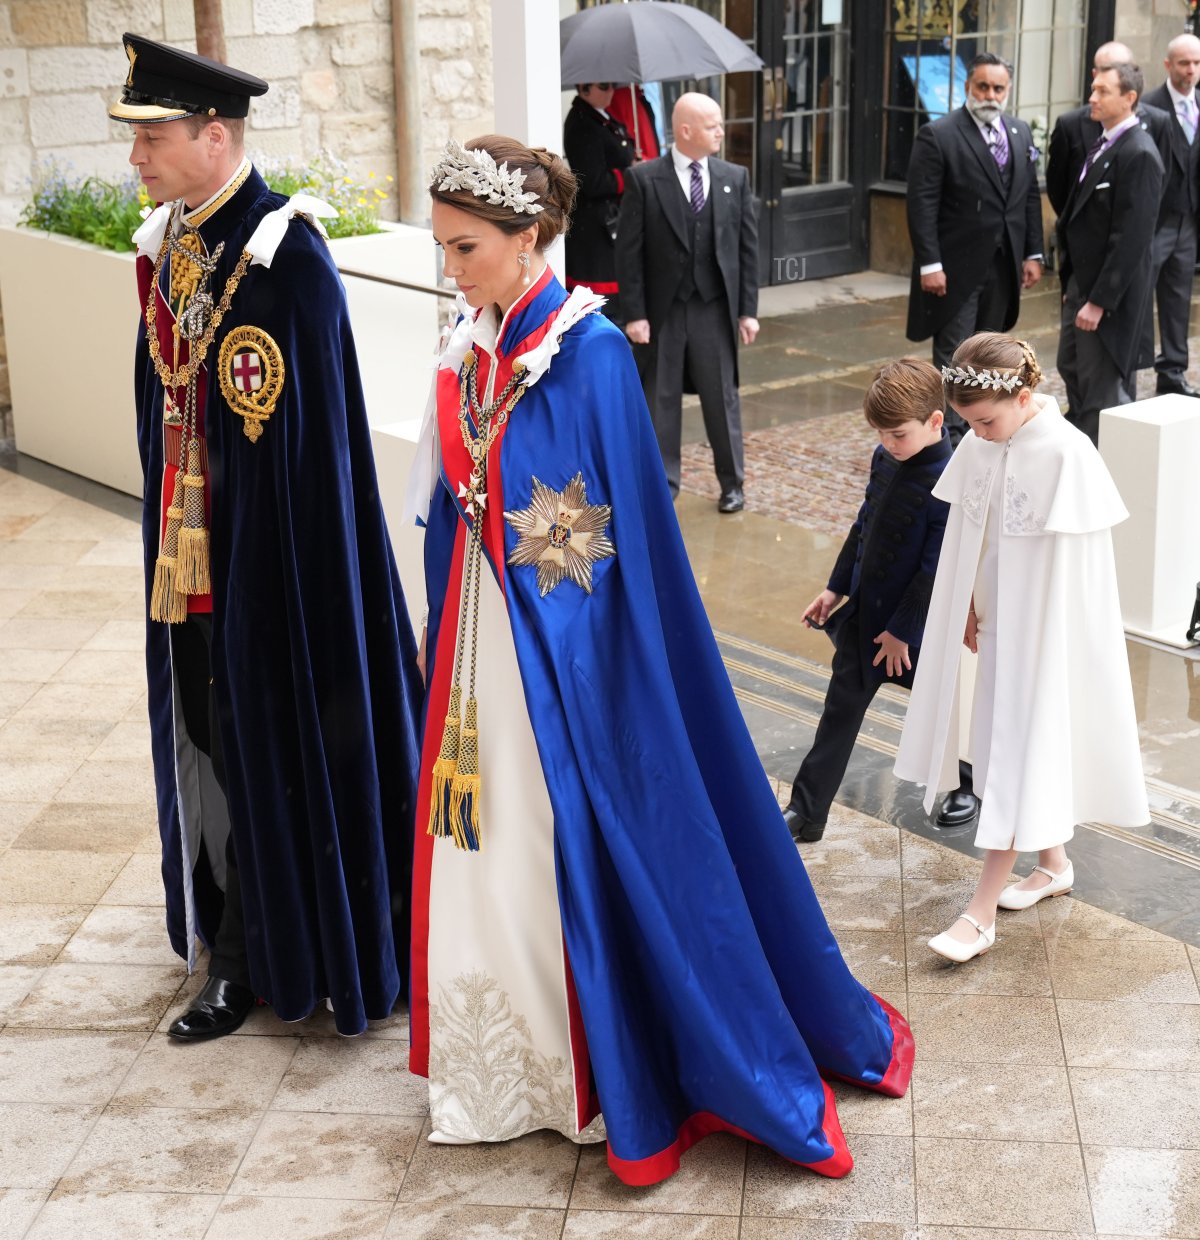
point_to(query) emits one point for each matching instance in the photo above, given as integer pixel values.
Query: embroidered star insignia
(562, 534)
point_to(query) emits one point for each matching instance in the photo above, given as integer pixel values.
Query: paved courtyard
(1054, 1094)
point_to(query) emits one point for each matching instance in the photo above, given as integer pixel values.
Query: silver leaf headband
(476, 171)
(968, 376)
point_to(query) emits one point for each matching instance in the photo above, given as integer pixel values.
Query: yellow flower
(379, 193)
(362, 202)
(370, 176)
(348, 180)
(391, 178)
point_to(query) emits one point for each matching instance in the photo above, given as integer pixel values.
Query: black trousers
(1174, 256)
(191, 647)
(1092, 378)
(984, 311)
(846, 701)
(695, 339)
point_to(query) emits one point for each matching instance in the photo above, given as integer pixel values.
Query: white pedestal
(395, 445)
(1152, 450)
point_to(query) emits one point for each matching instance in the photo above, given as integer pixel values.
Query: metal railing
(431, 289)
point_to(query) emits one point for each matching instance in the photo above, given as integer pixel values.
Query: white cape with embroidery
(1064, 742)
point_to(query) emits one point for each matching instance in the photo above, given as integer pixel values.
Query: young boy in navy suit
(884, 572)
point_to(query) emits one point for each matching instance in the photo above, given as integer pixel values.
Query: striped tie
(1187, 119)
(697, 194)
(998, 141)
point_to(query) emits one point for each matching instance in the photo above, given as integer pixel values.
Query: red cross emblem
(247, 372)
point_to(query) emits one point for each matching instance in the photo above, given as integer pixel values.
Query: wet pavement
(1054, 1092)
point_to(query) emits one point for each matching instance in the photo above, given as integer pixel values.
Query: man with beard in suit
(1105, 237)
(1175, 236)
(975, 218)
(687, 265)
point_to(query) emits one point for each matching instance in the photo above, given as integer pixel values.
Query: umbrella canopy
(648, 41)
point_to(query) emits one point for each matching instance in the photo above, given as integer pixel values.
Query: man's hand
(971, 635)
(895, 652)
(747, 329)
(1089, 316)
(935, 283)
(1031, 272)
(638, 330)
(820, 609)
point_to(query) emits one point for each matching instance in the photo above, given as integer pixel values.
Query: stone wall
(1148, 26)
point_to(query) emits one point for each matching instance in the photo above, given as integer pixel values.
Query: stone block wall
(329, 63)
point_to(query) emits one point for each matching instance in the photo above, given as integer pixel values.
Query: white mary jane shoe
(437, 1137)
(948, 946)
(1059, 885)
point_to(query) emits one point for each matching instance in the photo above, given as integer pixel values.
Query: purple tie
(998, 141)
(1093, 155)
(697, 194)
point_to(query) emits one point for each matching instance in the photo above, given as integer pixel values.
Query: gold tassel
(192, 573)
(445, 767)
(167, 604)
(464, 790)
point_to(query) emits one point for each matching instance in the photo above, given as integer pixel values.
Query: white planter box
(70, 318)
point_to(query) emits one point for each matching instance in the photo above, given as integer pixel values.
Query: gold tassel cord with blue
(455, 789)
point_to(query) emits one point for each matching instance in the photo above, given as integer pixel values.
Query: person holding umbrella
(599, 150)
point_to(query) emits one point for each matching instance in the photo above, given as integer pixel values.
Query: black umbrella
(648, 41)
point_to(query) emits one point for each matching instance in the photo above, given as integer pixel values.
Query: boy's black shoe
(959, 807)
(803, 832)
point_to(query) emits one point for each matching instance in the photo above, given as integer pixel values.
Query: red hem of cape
(642, 1172)
(895, 1080)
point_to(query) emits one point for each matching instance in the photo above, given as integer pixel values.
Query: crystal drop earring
(523, 261)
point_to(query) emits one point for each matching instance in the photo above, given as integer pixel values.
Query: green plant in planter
(107, 213)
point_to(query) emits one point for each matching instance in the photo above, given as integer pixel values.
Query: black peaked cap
(166, 83)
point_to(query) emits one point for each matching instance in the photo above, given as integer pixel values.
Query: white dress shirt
(683, 170)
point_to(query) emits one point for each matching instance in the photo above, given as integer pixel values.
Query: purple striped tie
(697, 194)
(998, 141)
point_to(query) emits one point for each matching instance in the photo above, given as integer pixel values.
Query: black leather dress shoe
(217, 1010)
(731, 500)
(803, 831)
(1175, 387)
(959, 807)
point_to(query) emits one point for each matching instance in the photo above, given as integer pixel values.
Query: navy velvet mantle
(313, 655)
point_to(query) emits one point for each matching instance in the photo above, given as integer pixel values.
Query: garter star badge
(250, 367)
(562, 534)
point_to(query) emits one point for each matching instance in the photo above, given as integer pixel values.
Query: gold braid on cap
(998, 379)
(477, 172)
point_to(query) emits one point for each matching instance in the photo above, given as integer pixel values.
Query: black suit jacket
(599, 152)
(1073, 136)
(1181, 167)
(1105, 234)
(959, 214)
(653, 245)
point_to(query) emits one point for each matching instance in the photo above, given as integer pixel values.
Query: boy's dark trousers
(850, 694)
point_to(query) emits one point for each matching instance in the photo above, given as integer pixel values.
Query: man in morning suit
(687, 265)
(974, 217)
(1105, 238)
(1175, 236)
(1073, 135)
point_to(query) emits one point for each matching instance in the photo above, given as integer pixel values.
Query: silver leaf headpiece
(968, 376)
(477, 171)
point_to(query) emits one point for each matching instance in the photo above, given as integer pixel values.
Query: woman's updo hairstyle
(546, 175)
(990, 353)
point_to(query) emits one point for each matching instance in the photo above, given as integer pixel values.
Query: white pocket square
(1104, 185)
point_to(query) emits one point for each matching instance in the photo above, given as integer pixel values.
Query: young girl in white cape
(1026, 578)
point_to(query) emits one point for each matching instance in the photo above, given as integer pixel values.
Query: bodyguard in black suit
(1073, 136)
(687, 264)
(974, 217)
(1175, 237)
(1105, 237)
(599, 152)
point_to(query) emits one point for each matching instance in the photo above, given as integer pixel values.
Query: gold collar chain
(186, 373)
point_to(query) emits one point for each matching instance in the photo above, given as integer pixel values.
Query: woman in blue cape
(613, 934)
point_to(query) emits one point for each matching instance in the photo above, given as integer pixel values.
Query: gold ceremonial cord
(184, 375)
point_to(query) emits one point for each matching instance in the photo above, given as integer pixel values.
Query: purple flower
(1034, 154)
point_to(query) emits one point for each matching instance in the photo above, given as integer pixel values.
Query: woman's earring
(523, 262)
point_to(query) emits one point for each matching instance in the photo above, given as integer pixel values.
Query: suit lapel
(721, 201)
(1016, 166)
(978, 144)
(1097, 173)
(666, 185)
